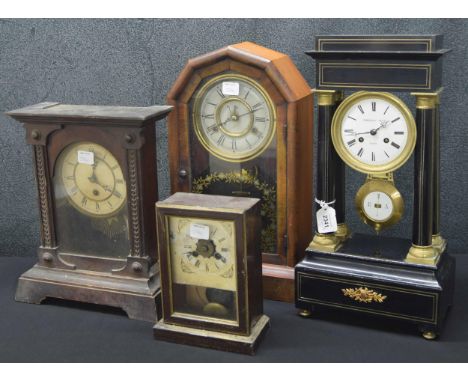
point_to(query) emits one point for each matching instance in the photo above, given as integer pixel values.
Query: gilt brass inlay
(363, 294)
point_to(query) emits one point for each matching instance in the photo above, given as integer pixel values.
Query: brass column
(329, 169)
(422, 251)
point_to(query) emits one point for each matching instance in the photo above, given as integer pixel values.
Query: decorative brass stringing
(363, 294)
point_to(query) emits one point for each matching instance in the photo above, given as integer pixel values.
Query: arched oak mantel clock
(371, 130)
(242, 126)
(96, 179)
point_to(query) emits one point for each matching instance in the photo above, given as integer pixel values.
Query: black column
(436, 196)
(326, 155)
(424, 177)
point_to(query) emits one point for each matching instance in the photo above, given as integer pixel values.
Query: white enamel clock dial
(378, 206)
(234, 118)
(374, 132)
(203, 252)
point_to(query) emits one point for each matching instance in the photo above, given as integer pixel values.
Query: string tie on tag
(323, 203)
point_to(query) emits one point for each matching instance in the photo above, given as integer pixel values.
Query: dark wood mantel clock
(242, 126)
(211, 272)
(374, 132)
(96, 178)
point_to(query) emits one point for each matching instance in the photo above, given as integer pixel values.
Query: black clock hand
(218, 256)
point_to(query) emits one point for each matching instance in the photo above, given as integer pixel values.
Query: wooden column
(422, 250)
(330, 168)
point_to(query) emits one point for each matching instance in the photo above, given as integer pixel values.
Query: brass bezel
(224, 155)
(350, 160)
(386, 187)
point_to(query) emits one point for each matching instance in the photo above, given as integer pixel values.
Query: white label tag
(199, 231)
(231, 88)
(86, 157)
(326, 220)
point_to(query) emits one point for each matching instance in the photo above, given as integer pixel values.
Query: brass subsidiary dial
(379, 203)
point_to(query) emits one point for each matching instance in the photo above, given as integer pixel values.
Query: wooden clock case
(293, 101)
(131, 283)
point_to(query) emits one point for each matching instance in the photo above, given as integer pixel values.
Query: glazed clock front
(233, 145)
(203, 266)
(91, 201)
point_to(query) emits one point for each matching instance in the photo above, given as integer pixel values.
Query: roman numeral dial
(373, 132)
(202, 252)
(91, 179)
(234, 118)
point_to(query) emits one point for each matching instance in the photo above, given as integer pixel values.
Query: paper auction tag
(199, 231)
(231, 88)
(86, 157)
(326, 220)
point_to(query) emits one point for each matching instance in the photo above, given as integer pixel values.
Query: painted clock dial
(378, 206)
(234, 118)
(203, 252)
(373, 132)
(92, 179)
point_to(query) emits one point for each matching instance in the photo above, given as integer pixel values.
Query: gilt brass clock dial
(92, 178)
(373, 132)
(234, 117)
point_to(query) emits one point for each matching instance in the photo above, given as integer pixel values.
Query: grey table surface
(59, 331)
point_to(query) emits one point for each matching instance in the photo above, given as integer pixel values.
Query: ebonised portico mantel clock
(96, 179)
(242, 126)
(374, 133)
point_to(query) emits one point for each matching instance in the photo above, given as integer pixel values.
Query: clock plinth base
(370, 275)
(138, 297)
(213, 340)
(278, 282)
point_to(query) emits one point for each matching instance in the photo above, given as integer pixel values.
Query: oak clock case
(211, 272)
(230, 135)
(96, 175)
(364, 125)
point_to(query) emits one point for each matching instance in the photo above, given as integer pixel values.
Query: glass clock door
(91, 202)
(203, 269)
(233, 145)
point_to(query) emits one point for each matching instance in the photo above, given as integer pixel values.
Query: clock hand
(218, 256)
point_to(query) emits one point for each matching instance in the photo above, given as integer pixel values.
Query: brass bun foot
(439, 243)
(304, 313)
(342, 232)
(422, 255)
(428, 335)
(325, 242)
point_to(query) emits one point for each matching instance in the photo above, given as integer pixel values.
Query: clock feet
(304, 312)
(429, 335)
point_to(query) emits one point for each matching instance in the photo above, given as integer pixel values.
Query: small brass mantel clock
(211, 272)
(96, 179)
(242, 126)
(374, 132)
